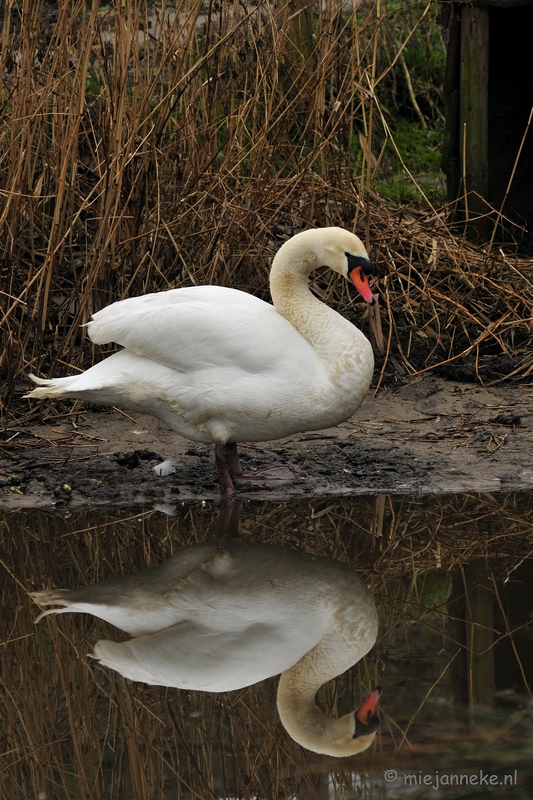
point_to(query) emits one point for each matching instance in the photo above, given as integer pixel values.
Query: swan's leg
(228, 522)
(222, 461)
(234, 464)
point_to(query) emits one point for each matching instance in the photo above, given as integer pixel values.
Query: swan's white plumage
(179, 329)
(218, 620)
(211, 659)
(216, 364)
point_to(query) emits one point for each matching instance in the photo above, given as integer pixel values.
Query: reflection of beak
(368, 709)
(360, 281)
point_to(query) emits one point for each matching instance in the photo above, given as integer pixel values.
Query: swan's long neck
(333, 338)
(333, 655)
(299, 714)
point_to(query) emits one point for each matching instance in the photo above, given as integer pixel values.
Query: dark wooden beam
(450, 95)
(479, 618)
(496, 3)
(473, 117)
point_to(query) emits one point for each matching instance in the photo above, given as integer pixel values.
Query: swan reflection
(216, 620)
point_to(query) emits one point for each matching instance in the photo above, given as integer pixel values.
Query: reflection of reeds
(75, 730)
(133, 162)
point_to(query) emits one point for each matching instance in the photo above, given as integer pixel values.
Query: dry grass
(143, 149)
(75, 730)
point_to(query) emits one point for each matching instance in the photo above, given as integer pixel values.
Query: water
(443, 570)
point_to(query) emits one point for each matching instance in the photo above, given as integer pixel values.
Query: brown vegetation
(144, 149)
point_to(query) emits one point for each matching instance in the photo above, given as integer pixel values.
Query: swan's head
(336, 248)
(346, 736)
(355, 732)
(366, 722)
(344, 252)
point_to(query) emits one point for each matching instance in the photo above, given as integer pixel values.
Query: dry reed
(143, 148)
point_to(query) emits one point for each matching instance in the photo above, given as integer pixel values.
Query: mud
(430, 435)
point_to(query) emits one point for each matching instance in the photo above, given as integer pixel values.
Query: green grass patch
(420, 152)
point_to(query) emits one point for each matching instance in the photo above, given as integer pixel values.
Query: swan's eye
(358, 261)
(363, 730)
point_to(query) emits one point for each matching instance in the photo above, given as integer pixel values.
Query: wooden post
(479, 619)
(473, 127)
(450, 161)
(471, 608)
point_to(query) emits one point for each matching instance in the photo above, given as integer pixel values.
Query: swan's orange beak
(368, 709)
(360, 281)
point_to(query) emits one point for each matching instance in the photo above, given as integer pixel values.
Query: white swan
(219, 365)
(217, 620)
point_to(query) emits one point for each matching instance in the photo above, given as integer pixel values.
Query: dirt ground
(430, 435)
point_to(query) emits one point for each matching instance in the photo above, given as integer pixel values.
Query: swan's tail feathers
(51, 597)
(58, 387)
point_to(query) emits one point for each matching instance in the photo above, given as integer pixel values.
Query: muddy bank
(431, 435)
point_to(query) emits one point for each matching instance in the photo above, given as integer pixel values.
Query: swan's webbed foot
(230, 472)
(268, 476)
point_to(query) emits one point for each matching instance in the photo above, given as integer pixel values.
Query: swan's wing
(206, 326)
(192, 656)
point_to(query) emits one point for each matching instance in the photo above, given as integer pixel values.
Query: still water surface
(452, 578)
